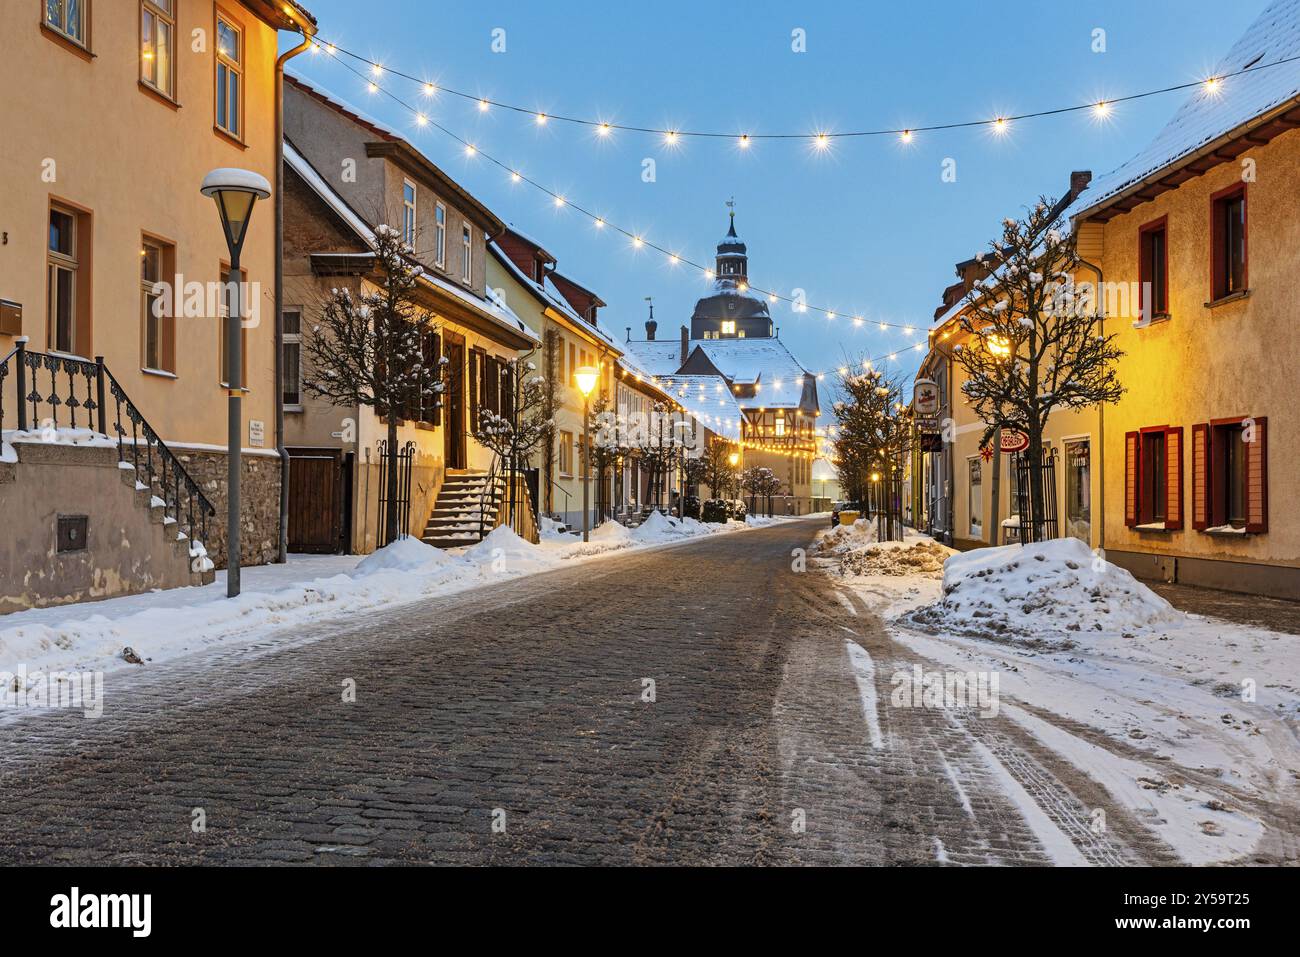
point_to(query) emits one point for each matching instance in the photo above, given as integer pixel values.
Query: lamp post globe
(235, 191)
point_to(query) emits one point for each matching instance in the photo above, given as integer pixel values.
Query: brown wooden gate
(315, 500)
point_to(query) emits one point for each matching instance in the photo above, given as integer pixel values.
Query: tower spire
(731, 208)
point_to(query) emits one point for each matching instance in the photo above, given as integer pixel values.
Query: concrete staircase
(466, 508)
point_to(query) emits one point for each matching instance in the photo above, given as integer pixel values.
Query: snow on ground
(1043, 592)
(1211, 708)
(91, 636)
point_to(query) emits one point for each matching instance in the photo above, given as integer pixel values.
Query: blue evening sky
(869, 228)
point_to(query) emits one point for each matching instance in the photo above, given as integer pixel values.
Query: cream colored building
(563, 315)
(138, 100)
(1198, 240)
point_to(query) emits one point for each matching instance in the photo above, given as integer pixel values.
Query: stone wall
(259, 503)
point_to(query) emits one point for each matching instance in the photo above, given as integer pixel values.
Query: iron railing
(405, 463)
(59, 405)
(1041, 475)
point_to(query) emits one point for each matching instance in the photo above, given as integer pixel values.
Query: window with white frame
(466, 254)
(230, 77)
(440, 236)
(151, 266)
(566, 453)
(408, 212)
(975, 494)
(67, 17)
(157, 33)
(291, 360)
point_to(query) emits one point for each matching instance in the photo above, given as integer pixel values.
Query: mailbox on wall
(11, 318)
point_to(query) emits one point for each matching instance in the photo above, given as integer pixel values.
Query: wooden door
(454, 426)
(315, 504)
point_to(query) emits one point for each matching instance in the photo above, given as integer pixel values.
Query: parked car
(838, 507)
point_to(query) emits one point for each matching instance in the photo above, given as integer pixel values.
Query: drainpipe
(283, 549)
(1101, 418)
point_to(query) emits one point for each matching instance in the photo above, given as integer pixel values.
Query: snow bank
(897, 559)
(502, 541)
(610, 531)
(656, 526)
(404, 555)
(844, 538)
(1046, 590)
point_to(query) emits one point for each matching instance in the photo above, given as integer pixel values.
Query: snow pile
(896, 558)
(502, 542)
(843, 539)
(1043, 590)
(610, 531)
(404, 555)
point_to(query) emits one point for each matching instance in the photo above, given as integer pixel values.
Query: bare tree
(377, 348)
(1034, 342)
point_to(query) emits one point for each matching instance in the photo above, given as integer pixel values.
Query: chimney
(1079, 181)
(686, 343)
(650, 328)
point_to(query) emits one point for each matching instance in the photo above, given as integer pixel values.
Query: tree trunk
(1036, 510)
(390, 491)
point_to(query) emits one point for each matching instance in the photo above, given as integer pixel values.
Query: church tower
(732, 311)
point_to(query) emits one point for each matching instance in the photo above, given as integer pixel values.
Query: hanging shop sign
(1013, 441)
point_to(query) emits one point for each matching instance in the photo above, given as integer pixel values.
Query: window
(1153, 485)
(157, 30)
(1153, 270)
(68, 17)
(157, 264)
(728, 327)
(1230, 475)
(566, 453)
(440, 236)
(408, 212)
(466, 252)
(229, 284)
(1228, 242)
(780, 425)
(975, 494)
(62, 282)
(230, 76)
(291, 358)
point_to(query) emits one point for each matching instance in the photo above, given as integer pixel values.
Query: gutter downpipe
(1101, 417)
(283, 545)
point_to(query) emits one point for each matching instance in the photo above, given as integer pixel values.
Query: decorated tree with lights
(607, 448)
(871, 429)
(1034, 342)
(376, 348)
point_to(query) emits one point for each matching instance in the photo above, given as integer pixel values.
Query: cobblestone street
(770, 739)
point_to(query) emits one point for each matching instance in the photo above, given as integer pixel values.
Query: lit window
(230, 74)
(408, 212)
(780, 425)
(68, 17)
(440, 236)
(157, 28)
(728, 327)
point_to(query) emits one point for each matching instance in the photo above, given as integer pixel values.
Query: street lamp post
(235, 192)
(586, 377)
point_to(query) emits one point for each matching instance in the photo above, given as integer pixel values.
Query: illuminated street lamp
(235, 191)
(586, 377)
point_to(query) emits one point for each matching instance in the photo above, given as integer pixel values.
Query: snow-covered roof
(1206, 116)
(709, 399)
(548, 296)
(497, 312)
(766, 363)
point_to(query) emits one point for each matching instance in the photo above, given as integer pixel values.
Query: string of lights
(638, 240)
(819, 139)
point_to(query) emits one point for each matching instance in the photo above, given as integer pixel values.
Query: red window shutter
(1201, 476)
(1131, 452)
(1174, 478)
(1257, 476)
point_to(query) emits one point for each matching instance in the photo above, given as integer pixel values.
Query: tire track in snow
(864, 671)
